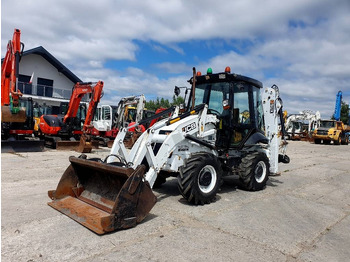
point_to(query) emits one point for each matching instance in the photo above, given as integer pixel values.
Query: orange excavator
(17, 123)
(10, 95)
(59, 131)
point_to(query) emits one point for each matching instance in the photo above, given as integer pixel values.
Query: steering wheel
(210, 111)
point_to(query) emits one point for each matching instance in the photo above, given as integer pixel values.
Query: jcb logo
(190, 127)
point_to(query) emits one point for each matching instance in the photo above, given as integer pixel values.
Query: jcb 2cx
(232, 126)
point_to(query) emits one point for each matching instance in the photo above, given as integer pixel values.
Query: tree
(178, 100)
(344, 113)
(165, 103)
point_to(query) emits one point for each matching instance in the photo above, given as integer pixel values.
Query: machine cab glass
(238, 106)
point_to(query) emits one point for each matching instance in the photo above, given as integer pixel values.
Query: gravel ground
(302, 215)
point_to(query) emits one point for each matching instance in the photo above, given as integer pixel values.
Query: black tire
(317, 141)
(344, 140)
(338, 141)
(254, 171)
(200, 178)
(327, 142)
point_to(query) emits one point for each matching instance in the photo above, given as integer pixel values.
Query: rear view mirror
(177, 91)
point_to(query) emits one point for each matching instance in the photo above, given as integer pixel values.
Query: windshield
(212, 94)
(327, 124)
(97, 115)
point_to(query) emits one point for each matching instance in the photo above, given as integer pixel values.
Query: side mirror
(177, 90)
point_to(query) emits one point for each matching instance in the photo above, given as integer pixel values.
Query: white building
(52, 82)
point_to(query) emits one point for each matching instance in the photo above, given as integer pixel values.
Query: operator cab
(237, 102)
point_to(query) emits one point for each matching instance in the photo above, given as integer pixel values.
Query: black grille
(322, 132)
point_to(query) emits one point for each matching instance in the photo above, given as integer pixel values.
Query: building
(52, 82)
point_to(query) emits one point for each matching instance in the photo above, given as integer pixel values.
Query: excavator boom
(85, 145)
(10, 105)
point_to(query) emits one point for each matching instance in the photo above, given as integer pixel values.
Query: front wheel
(200, 178)
(254, 171)
(338, 141)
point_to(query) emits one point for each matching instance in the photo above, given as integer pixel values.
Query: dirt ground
(302, 215)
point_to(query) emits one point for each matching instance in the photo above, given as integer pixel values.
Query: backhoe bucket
(8, 116)
(103, 197)
(85, 145)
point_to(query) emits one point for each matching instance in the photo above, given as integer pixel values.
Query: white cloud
(309, 60)
(174, 68)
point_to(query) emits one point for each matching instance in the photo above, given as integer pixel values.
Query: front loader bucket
(103, 197)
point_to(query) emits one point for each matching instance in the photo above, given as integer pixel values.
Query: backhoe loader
(108, 120)
(232, 126)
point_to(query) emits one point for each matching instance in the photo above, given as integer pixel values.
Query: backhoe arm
(9, 73)
(79, 90)
(95, 99)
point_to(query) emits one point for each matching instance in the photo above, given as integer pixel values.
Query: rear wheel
(200, 178)
(345, 140)
(337, 141)
(254, 171)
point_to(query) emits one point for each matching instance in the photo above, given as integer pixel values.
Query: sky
(147, 47)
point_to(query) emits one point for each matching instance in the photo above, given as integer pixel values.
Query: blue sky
(148, 47)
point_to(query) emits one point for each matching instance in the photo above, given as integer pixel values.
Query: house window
(45, 87)
(23, 84)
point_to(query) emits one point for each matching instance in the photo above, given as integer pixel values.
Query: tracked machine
(58, 130)
(17, 122)
(232, 126)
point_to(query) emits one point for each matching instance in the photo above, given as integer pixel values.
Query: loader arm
(122, 110)
(181, 127)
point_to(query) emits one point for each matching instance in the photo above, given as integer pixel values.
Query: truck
(331, 131)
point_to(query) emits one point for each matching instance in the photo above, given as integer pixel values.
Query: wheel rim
(207, 179)
(260, 171)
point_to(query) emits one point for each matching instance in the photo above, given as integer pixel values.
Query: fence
(46, 91)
